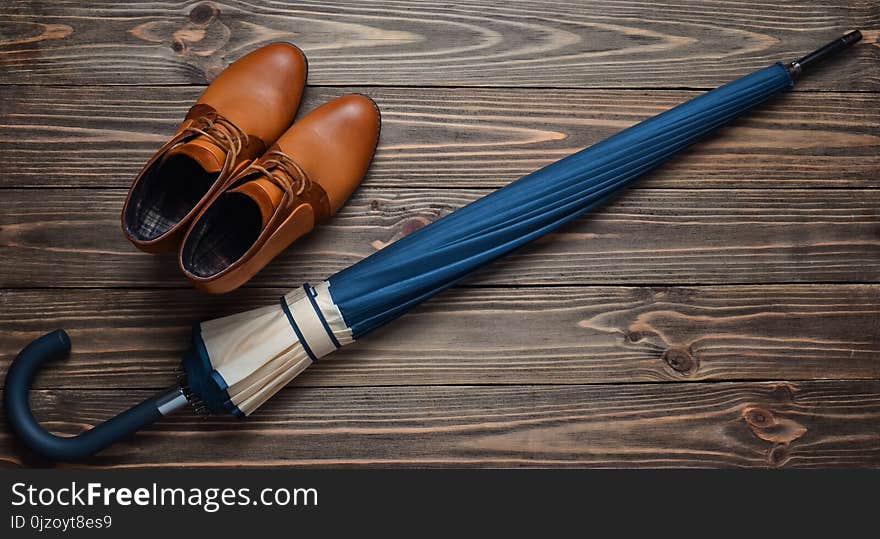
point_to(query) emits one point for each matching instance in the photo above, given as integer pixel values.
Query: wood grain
(561, 335)
(729, 425)
(606, 43)
(724, 313)
(52, 238)
(101, 137)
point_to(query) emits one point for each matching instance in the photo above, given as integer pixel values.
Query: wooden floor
(723, 313)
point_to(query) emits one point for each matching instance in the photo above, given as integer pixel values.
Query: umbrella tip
(840, 44)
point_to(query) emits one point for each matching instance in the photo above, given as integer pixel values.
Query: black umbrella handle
(53, 346)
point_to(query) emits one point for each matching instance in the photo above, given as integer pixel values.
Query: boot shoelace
(283, 170)
(222, 132)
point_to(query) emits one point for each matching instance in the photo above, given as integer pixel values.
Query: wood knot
(681, 360)
(203, 13)
(375, 205)
(783, 393)
(178, 46)
(634, 336)
(778, 454)
(406, 228)
(769, 427)
(757, 417)
(411, 225)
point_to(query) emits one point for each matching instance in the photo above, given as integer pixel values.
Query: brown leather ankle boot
(243, 111)
(300, 181)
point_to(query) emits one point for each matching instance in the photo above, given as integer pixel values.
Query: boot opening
(166, 193)
(223, 234)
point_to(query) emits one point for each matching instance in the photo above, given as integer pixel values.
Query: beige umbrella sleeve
(260, 351)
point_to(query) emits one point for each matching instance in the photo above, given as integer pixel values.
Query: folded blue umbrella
(238, 362)
(387, 283)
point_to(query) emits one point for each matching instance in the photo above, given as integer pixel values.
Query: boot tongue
(204, 152)
(265, 193)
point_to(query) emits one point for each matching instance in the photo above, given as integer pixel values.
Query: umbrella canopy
(238, 362)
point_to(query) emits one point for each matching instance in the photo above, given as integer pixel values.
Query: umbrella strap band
(296, 329)
(311, 293)
(305, 318)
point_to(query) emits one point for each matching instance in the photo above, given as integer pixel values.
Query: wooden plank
(730, 425)
(560, 335)
(68, 238)
(101, 137)
(477, 42)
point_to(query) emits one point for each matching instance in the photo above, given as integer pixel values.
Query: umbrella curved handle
(54, 346)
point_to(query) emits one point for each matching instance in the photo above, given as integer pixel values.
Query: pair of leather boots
(237, 183)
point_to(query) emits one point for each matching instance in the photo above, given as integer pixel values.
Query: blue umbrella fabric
(386, 284)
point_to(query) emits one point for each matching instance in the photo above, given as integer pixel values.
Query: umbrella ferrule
(832, 48)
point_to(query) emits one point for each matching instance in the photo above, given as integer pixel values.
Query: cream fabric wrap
(258, 352)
